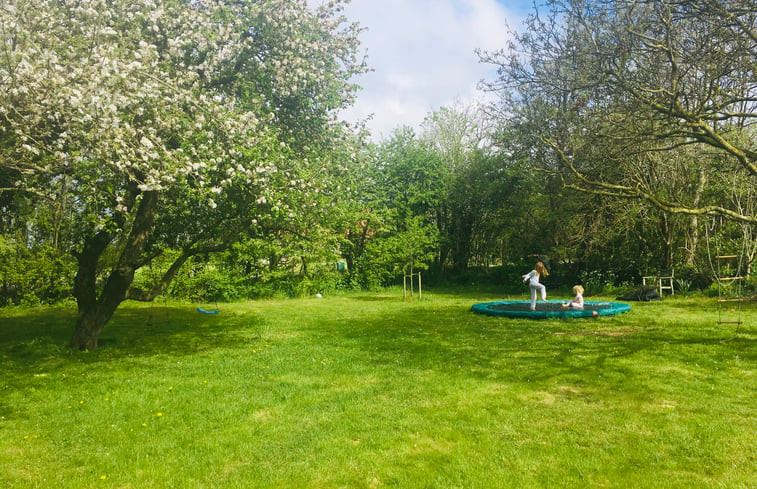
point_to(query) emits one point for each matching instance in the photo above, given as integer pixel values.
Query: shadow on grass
(609, 351)
(39, 338)
(375, 298)
(408, 337)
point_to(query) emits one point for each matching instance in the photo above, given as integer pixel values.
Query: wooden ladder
(727, 281)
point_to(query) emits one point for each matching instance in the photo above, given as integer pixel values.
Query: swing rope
(716, 270)
(201, 310)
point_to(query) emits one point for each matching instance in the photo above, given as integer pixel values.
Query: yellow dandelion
(159, 414)
(103, 477)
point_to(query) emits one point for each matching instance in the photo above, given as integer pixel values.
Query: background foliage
(574, 163)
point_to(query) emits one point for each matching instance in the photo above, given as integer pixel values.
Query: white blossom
(96, 96)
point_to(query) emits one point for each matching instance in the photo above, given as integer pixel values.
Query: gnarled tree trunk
(95, 311)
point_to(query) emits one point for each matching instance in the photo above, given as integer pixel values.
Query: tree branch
(596, 187)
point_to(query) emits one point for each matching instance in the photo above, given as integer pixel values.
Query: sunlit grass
(368, 391)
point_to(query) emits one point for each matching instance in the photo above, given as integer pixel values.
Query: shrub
(33, 276)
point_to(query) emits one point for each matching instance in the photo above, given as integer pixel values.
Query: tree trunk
(358, 248)
(162, 285)
(442, 224)
(85, 291)
(304, 267)
(88, 328)
(94, 311)
(691, 252)
(461, 246)
(666, 231)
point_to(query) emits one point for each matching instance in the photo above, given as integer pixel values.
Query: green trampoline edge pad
(521, 309)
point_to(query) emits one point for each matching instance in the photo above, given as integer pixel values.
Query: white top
(578, 301)
(531, 277)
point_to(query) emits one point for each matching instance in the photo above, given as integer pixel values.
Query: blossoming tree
(168, 125)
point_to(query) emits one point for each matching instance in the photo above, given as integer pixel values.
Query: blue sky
(423, 55)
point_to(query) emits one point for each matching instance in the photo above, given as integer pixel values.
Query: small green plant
(682, 286)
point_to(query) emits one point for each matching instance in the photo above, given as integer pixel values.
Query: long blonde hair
(541, 269)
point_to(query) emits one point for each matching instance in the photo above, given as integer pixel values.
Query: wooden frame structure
(660, 282)
(733, 263)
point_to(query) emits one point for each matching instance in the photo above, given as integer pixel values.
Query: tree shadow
(415, 338)
(38, 339)
(454, 341)
(376, 298)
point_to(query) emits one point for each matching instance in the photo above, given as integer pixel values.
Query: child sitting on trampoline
(578, 300)
(532, 278)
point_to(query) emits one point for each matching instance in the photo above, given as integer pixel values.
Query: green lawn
(368, 391)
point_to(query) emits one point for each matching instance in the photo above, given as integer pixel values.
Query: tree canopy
(622, 87)
(156, 123)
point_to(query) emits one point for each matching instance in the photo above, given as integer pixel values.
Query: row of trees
(149, 147)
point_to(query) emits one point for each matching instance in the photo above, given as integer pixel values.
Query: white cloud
(423, 55)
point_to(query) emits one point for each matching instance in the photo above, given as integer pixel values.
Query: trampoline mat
(549, 309)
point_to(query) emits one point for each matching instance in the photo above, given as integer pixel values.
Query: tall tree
(628, 80)
(168, 124)
(484, 205)
(409, 178)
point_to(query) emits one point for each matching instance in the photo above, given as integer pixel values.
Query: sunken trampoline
(549, 309)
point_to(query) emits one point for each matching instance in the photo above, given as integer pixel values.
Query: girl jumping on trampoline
(532, 278)
(578, 300)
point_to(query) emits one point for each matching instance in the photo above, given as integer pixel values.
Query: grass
(368, 391)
